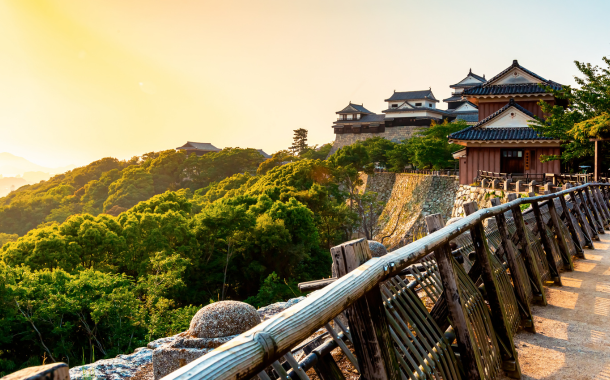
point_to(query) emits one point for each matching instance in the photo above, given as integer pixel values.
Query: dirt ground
(573, 330)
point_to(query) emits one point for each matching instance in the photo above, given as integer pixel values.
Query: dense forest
(106, 257)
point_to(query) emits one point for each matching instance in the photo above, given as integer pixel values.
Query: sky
(83, 80)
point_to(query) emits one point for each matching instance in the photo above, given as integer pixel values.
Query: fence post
(602, 205)
(589, 211)
(596, 209)
(518, 185)
(548, 187)
(368, 326)
(495, 184)
(507, 185)
(499, 316)
(532, 186)
(452, 296)
(571, 228)
(528, 255)
(563, 246)
(483, 183)
(590, 233)
(519, 278)
(548, 247)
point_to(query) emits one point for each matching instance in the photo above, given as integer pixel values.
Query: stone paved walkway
(573, 331)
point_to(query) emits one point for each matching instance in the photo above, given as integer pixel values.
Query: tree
(430, 149)
(277, 159)
(299, 145)
(317, 153)
(378, 150)
(586, 115)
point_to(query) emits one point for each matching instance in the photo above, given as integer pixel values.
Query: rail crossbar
(249, 353)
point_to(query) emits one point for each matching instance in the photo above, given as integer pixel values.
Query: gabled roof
(199, 146)
(354, 108)
(489, 88)
(470, 74)
(479, 133)
(412, 95)
(468, 103)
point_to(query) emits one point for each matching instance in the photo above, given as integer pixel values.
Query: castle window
(417, 104)
(350, 117)
(394, 105)
(358, 117)
(429, 104)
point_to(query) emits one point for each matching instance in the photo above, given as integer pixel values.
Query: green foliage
(106, 284)
(317, 153)
(377, 149)
(355, 156)
(274, 290)
(277, 159)
(111, 186)
(430, 149)
(299, 145)
(586, 116)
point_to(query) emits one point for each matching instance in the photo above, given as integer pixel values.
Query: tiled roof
(470, 74)
(490, 134)
(470, 104)
(199, 146)
(477, 132)
(354, 108)
(412, 95)
(467, 117)
(512, 89)
(454, 98)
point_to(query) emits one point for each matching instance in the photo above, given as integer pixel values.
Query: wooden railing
(452, 172)
(362, 290)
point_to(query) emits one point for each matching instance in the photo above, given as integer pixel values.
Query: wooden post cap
(470, 208)
(434, 222)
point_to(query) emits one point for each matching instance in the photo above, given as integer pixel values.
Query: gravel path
(573, 331)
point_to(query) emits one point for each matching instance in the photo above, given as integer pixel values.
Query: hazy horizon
(86, 80)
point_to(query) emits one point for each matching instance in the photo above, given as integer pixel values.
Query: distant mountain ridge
(11, 166)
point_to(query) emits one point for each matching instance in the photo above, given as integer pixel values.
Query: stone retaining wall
(409, 197)
(467, 193)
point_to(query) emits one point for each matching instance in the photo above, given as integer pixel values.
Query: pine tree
(299, 145)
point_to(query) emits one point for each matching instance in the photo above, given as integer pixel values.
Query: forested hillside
(112, 186)
(104, 284)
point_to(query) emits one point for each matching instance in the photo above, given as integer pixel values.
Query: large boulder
(212, 326)
(223, 318)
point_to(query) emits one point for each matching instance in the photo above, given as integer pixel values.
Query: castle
(406, 112)
(498, 111)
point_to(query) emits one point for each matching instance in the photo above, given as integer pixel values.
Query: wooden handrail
(252, 351)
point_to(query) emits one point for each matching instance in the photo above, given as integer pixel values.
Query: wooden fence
(481, 280)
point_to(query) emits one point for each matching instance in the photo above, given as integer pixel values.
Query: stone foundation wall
(396, 134)
(409, 197)
(467, 193)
